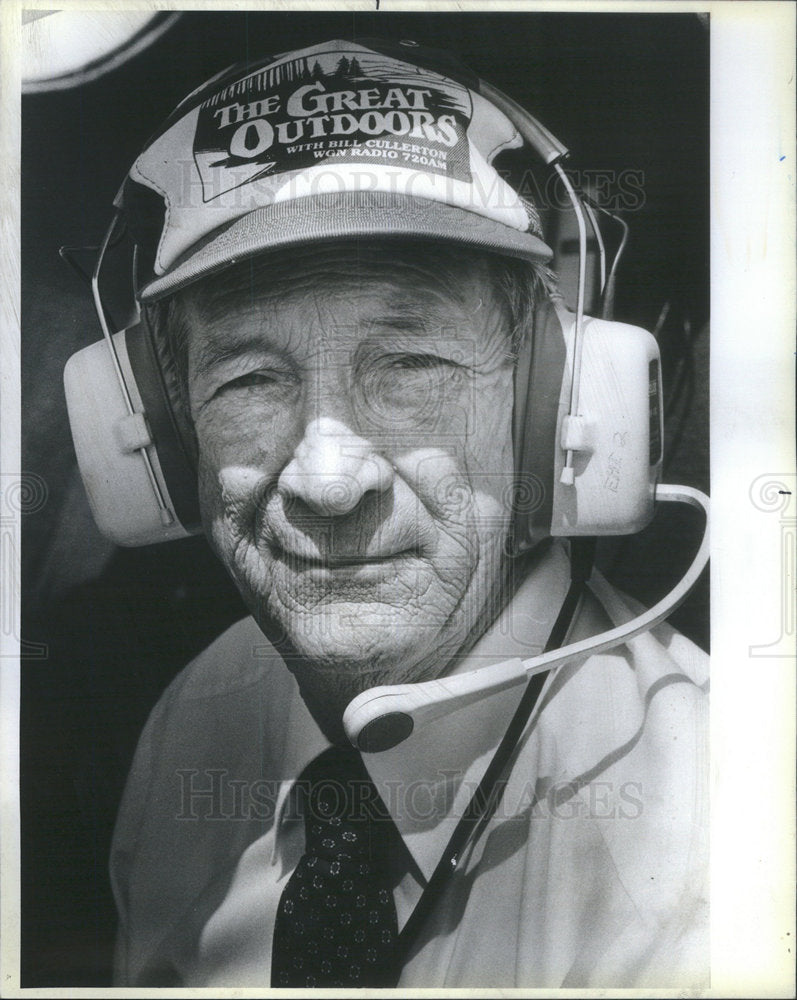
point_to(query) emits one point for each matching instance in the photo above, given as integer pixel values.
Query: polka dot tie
(336, 922)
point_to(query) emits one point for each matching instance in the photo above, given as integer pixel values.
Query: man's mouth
(341, 560)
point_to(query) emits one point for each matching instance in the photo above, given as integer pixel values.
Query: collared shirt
(591, 872)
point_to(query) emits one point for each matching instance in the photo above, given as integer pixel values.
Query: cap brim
(324, 217)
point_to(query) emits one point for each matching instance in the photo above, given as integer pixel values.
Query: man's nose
(333, 468)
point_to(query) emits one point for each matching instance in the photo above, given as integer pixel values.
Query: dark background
(623, 92)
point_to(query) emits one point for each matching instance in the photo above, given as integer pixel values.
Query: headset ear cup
(614, 438)
(110, 443)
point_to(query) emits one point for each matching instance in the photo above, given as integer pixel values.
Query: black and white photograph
(368, 368)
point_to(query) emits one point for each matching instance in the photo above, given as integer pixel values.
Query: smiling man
(355, 452)
(342, 290)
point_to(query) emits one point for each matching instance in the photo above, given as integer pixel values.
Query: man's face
(355, 458)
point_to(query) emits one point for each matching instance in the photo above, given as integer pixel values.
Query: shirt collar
(427, 780)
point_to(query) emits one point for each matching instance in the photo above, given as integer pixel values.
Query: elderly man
(339, 287)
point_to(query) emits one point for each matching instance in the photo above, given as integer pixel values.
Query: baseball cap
(340, 139)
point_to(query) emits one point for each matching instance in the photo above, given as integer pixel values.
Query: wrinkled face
(355, 459)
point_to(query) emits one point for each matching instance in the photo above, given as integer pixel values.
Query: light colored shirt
(591, 873)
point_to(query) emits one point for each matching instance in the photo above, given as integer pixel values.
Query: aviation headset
(588, 413)
(587, 423)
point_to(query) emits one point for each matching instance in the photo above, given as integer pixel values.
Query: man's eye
(422, 363)
(260, 378)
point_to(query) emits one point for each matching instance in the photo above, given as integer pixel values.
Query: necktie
(336, 922)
